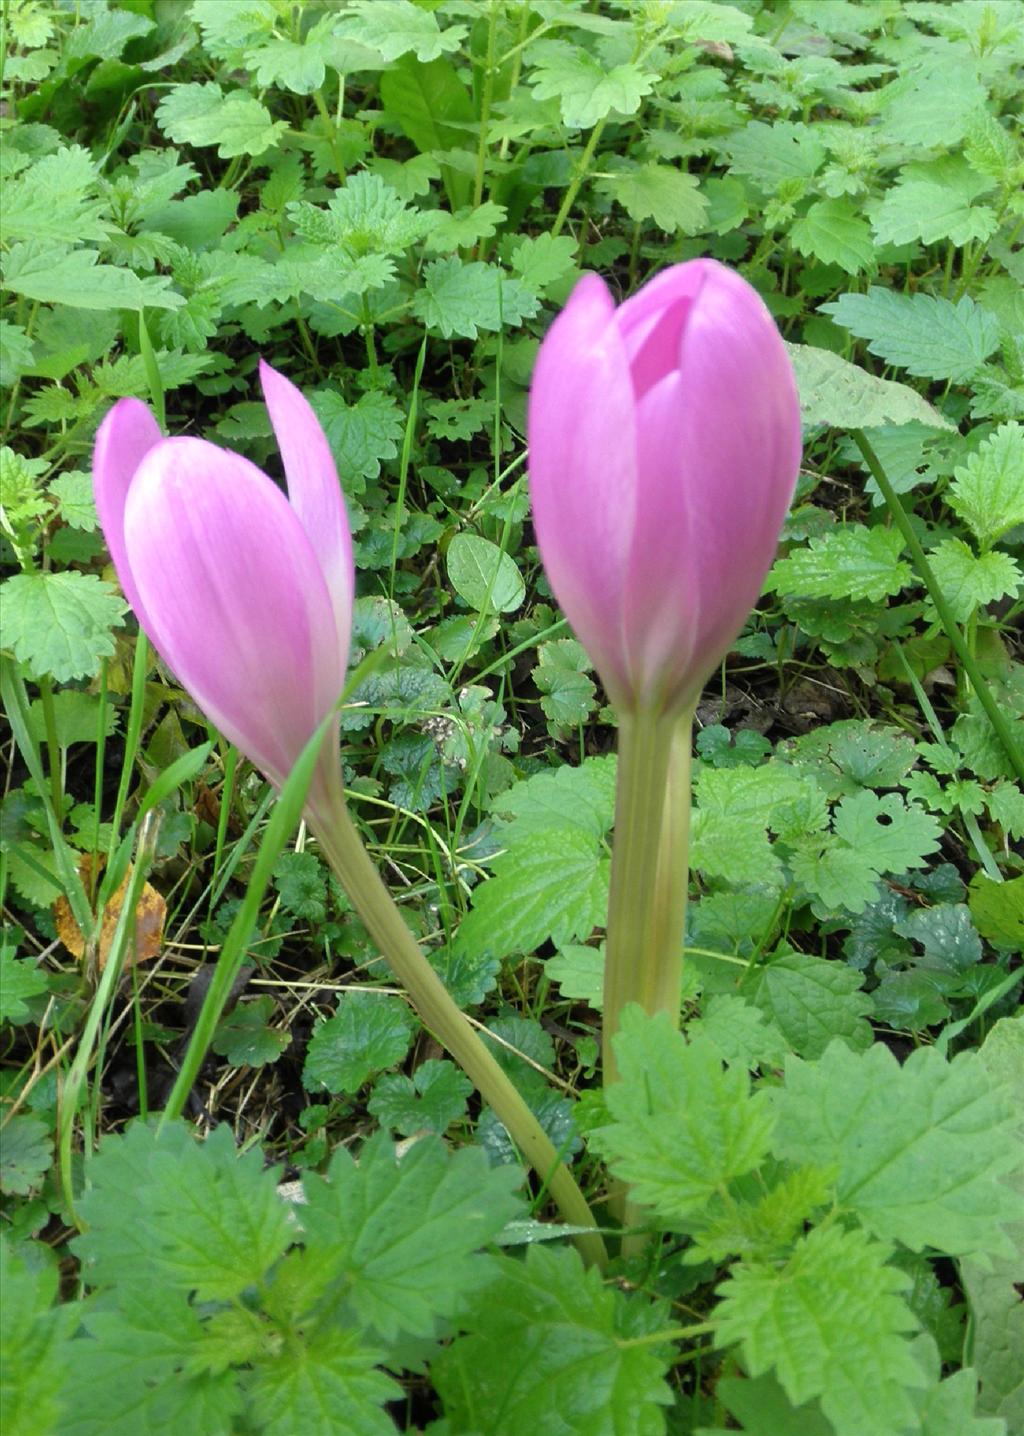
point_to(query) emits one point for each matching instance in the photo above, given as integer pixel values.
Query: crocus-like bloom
(245, 594)
(664, 447)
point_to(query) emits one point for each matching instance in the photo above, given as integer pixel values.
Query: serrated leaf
(325, 1383)
(850, 562)
(361, 435)
(58, 276)
(567, 693)
(987, 490)
(465, 228)
(396, 27)
(923, 333)
(368, 1032)
(682, 1124)
(579, 972)
(73, 491)
(811, 1001)
(542, 260)
(484, 574)
(659, 192)
(969, 581)
(431, 1100)
(20, 978)
(236, 123)
(772, 154)
(461, 299)
(34, 1335)
(833, 231)
(581, 797)
(50, 201)
(26, 1154)
(925, 210)
(919, 1148)
(404, 1237)
(586, 91)
(887, 833)
(569, 1331)
(61, 623)
(740, 1033)
(998, 909)
(244, 1037)
(843, 396)
(851, 1353)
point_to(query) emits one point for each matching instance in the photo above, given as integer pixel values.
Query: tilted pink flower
(246, 594)
(664, 446)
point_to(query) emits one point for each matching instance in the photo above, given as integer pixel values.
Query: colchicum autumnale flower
(245, 594)
(664, 445)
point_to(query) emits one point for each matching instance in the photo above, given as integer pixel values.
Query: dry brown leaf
(150, 913)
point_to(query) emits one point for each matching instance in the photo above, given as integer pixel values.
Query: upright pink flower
(245, 594)
(664, 447)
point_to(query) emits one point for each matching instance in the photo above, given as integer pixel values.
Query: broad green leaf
(659, 192)
(579, 972)
(244, 1038)
(833, 231)
(51, 201)
(236, 123)
(886, 832)
(59, 276)
(832, 1323)
(922, 333)
(16, 353)
(582, 797)
(73, 491)
(848, 562)
(682, 1124)
(586, 90)
(26, 1154)
(361, 435)
(106, 34)
(430, 104)
(324, 1383)
(948, 1409)
(567, 693)
(932, 106)
(574, 1370)
(810, 1001)
(919, 1149)
(765, 1409)
(396, 27)
(988, 490)
(368, 1032)
(969, 582)
(542, 260)
(775, 154)
(465, 228)
(431, 1100)
(61, 623)
(20, 978)
(740, 1033)
(930, 212)
(843, 396)
(298, 67)
(998, 909)
(34, 1335)
(840, 877)
(484, 574)
(460, 299)
(404, 1237)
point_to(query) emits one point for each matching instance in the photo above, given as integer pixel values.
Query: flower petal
(124, 438)
(234, 597)
(314, 491)
(653, 321)
(583, 470)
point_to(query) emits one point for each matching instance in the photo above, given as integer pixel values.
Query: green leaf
(26, 1155)
(362, 435)
(61, 623)
(659, 192)
(765, 1410)
(567, 694)
(949, 1407)
(244, 1037)
(369, 1031)
(395, 27)
(16, 353)
(811, 1001)
(775, 154)
(431, 1100)
(484, 575)
(458, 419)
(552, 883)
(579, 972)
(214, 1223)
(58, 276)
(461, 299)
(302, 885)
(403, 1238)
(947, 934)
(51, 201)
(581, 797)
(20, 978)
(923, 333)
(463, 229)
(848, 562)
(34, 1336)
(203, 115)
(919, 1148)
(682, 1124)
(300, 68)
(324, 1383)
(969, 582)
(849, 1350)
(925, 210)
(843, 396)
(542, 260)
(430, 104)
(998, 909)
(73, 491)
(887, 833)
(987, 492)
(740, 1033)
(587, 91)
(575, 1372)
(839, 876)
(833, 231)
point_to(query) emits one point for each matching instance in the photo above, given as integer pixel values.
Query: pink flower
(664, 447)
(245, 594)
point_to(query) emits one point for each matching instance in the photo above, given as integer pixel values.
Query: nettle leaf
(582, 797)
(431, 1100)
(833, 231)
(362, 435)
(404, 1238)
(987, 492)
(947, 934)
(236, 123)
(461, 299)
(50, 201)
(736, 806)
(969, 582)
(775, 154)
(586, 90)
(850, 1351)
(740, 1033)
(369, 1031)
(923, 333)
(214, 1223)
(928, 211)
(575, 1373)
(811, 1001)
(843, 396)
(919, 1149)
(73, 491)
(542, 260)
(395, 27)
(659, 192)
(61, 623)
(55, 275)
(35, 1335)
(850, 562)
(683, 1125)
(325, 1383)
(366, 216)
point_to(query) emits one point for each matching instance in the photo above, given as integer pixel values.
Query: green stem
(646, 905)
(485, 109)
(950, 626)
(345, 852)
(578, 178)
(52, 748)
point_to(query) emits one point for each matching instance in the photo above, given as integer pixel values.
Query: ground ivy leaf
(575, 1372)
(236, 123)
(431, 1100)
(851, 562)
(968, 581)
(244, 1038)
(369, 1031)
(811, 1001)
(843, 396)
(459, 298)
(361, 435)
(922, 333)
(26, 1154)
(404, 1237)
(887, 833)
(947, 934)
(61, 623)
(919, 1149)
(20, 978)
(585, 89)
(682, 1124)
(833, 231)
(659, 192)
(986, 491)
(325, 1383)
(998, 909)
(850, 1352)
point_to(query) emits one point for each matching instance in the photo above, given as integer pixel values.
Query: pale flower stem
(344, 850)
